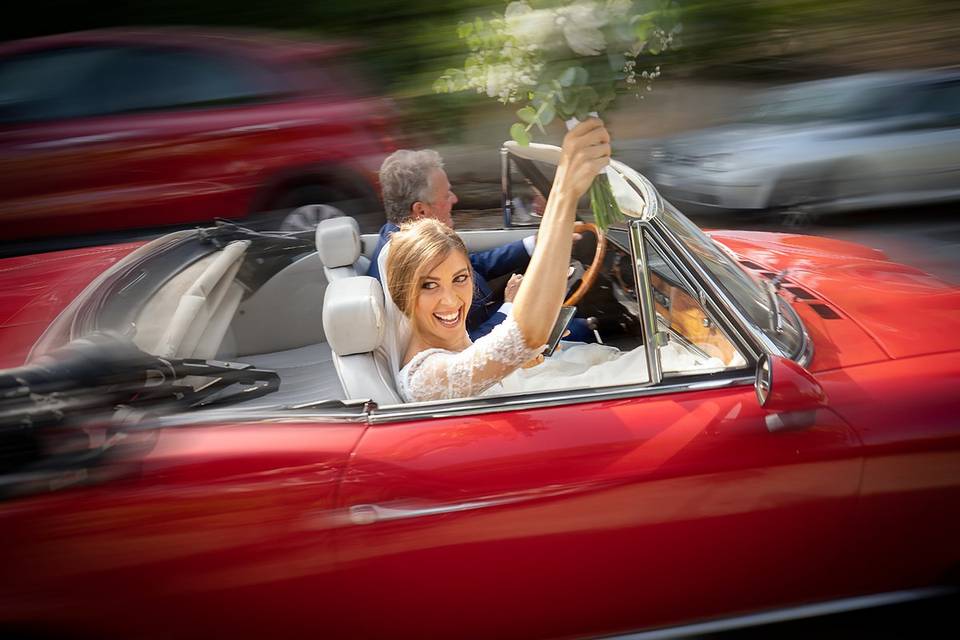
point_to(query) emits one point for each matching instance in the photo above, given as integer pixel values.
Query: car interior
(300, 305)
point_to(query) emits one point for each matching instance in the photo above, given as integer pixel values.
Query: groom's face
(442, 199)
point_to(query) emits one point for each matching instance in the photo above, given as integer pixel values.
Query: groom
(414, 186)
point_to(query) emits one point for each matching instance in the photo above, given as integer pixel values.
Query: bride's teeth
(449, 318)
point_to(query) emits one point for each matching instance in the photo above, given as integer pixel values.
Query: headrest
(353, 318)
(338, 242)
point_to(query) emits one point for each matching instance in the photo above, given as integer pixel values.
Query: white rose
(529, 26)
(581, 28)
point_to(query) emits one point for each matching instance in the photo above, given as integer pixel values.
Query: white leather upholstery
(189, 316)
(354, 323)
(338, 245)
(353, 319)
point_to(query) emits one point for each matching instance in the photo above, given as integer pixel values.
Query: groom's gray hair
(404, 179)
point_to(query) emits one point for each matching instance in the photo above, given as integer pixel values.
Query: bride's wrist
(565, 195)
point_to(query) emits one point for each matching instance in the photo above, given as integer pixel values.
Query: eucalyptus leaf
(641, 31)
(527, 114)
(519, 133)
(568, 77)
(547, 114)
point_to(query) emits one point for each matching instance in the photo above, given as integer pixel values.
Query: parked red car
(123, 129)
(191, 453)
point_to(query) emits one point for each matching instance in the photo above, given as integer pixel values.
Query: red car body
(160, 127)
(581, 518)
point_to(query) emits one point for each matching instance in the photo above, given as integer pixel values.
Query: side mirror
(788, 392)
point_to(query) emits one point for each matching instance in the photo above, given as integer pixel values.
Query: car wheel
(294, 209)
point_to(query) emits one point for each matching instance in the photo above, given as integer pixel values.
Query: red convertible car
(200, 439)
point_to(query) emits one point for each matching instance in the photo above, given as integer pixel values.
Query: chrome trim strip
(366, 513)
(505, 194)
(363, 412)
(277, 414)
(789, 613)
(478, 406)
(641, 272)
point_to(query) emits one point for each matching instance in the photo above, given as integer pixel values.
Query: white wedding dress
(490, 366)
(438, 374)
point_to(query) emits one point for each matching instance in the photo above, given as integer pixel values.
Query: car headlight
(718, 162)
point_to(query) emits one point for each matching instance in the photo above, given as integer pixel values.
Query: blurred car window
(50, 84)
(821, 101)
(89, 81)
(154, 78)
(941, 99)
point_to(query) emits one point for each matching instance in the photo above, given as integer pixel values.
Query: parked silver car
(853, 142)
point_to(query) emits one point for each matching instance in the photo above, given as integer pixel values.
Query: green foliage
(561, 59)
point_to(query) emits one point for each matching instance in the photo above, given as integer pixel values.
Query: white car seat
(355, 324)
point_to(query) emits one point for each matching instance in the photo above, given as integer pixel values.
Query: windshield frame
(746, 314)
(665, 220)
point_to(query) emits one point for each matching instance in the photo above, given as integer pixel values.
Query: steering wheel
(589, 275)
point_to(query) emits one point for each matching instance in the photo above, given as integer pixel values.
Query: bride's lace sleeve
(436, 374)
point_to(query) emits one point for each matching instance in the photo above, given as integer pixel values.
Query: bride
(430, 283)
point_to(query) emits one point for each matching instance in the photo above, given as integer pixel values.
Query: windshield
(743, 289)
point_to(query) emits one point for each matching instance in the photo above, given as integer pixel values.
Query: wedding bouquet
(566, 60)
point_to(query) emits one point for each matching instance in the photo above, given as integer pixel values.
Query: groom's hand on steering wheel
(513, 285)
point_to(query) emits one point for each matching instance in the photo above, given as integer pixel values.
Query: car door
(180, 531)
(593, 511)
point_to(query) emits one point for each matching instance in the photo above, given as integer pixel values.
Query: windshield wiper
(772, 286)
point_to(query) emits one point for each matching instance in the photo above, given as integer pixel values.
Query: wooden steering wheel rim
(590, 275)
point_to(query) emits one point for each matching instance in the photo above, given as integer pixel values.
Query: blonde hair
(414, 250)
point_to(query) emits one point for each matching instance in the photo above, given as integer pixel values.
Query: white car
(854, 142)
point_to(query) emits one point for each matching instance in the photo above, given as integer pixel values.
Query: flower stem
(606, 211)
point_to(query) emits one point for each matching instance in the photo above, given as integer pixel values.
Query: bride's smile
(443, 300)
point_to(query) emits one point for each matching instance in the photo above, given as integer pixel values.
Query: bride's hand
(586, 150)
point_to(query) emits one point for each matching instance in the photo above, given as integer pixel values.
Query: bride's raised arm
(586, 150)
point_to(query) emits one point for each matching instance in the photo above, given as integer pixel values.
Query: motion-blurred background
(840, 116)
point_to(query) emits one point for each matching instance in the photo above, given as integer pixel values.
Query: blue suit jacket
(487, 265)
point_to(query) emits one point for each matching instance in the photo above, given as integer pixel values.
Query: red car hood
(905, 311)
(35, 289)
